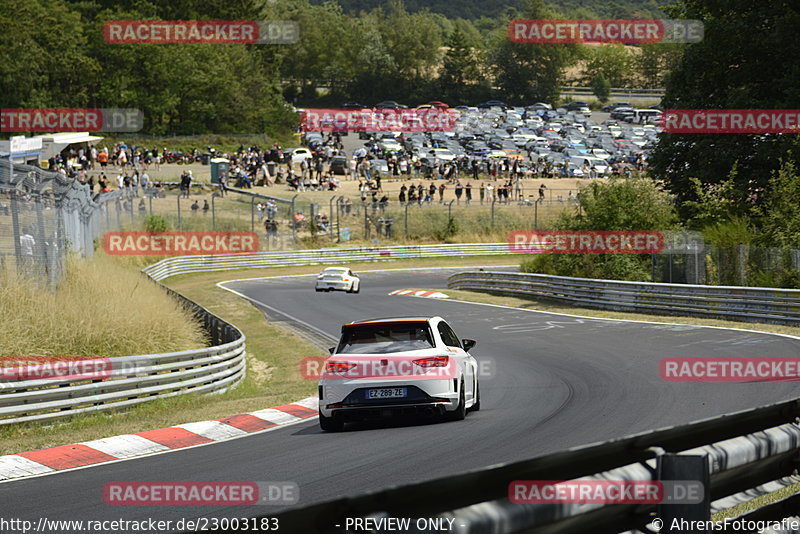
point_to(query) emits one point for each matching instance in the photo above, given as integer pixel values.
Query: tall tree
(745, 61)
(528, 72)
(460, 73)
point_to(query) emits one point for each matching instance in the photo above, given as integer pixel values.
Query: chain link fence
(43, 215)
(742, 265)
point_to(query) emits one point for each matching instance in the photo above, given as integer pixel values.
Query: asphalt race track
(557, 381)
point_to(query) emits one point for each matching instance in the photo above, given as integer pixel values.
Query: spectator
(195, 207)
(542, 189)
(206, 207)
(468, 193)
(442, 187)
(27, 244)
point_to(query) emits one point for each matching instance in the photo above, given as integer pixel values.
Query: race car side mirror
(331, 349)
(468, 344)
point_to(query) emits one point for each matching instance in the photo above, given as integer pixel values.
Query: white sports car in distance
(395, 366)
(338, 279)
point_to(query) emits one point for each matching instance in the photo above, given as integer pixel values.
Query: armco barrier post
(685, 468)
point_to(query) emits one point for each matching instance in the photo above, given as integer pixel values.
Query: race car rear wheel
(330, 424)
(477, 406)
(461, 412)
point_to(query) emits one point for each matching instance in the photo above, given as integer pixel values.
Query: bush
(155, 223)
(618, 204)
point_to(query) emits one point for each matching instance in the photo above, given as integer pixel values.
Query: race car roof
(391, 320)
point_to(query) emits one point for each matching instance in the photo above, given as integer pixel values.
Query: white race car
(338, 279)
(395, 366)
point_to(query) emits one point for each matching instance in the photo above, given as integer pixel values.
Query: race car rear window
(385, 338)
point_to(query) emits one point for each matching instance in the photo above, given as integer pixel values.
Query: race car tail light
(434, 361)
(339, 367)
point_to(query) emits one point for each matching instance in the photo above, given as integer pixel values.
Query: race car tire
(461, 411)
(477, 406)
(330, 424)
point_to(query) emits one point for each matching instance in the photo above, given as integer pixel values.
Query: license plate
(386, 393)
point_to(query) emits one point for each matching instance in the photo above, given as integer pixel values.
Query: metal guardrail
(751, 304)
(741, 455)
(133, 380)
(193, 264)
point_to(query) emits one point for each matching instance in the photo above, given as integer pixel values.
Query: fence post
(40, 248)
(695, 484)
(536, 215)
(741, 257)
(292, 223)
(15, 225)
(652, 266)
(213, 214)
(252, 213)
(330, 220)
(493, 201)
(449, 214)
(406, 220)
(179, 212)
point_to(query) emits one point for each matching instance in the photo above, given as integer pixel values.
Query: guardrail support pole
(687, 469)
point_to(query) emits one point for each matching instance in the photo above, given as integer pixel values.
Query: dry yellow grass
(101, 308)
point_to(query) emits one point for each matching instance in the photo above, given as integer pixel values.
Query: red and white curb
(44, 461)
(420, 293)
